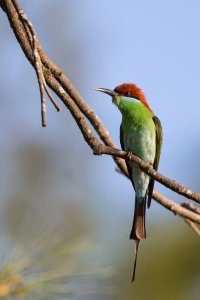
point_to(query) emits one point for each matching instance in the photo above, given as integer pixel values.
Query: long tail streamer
(135, 259)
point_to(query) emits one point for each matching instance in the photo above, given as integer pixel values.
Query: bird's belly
(142, 144)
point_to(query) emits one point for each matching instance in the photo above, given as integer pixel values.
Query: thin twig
(176, 208)
(38, 64)
(193, 226)
(57, 107)
(191, 207)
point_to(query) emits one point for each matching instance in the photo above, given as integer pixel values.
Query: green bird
(140, 133)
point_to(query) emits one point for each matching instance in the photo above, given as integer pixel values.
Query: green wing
(127, 164)
(157, 157)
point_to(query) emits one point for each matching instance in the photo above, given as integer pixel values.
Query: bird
(140, 134)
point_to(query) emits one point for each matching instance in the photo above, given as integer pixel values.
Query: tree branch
(193, 226)
(28, 26)
(148, 169)
(53, 76)
(176, 208)
(191, 207)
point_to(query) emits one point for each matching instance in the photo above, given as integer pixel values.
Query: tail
(135, 259)
(138, 231)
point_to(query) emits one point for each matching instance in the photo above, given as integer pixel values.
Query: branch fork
(37, 63)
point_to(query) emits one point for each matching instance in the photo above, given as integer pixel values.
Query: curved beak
(107, 91)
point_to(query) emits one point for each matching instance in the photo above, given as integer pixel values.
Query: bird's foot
(129, 153)
(97, 150)
(150, 167)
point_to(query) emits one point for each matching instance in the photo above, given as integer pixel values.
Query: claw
(96, 151)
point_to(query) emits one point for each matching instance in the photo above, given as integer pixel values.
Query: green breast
(138, 128)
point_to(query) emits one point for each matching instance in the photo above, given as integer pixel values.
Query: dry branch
(193, 226)
(33, 40)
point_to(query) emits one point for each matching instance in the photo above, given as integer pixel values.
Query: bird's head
(129, 90)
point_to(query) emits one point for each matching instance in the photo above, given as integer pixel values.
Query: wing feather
(159, 137)
(127, 163)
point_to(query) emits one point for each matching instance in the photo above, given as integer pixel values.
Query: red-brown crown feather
(131, 90)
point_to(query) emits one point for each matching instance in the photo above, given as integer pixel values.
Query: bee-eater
(140, 133)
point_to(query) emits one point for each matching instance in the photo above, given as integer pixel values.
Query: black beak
(107, 91)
